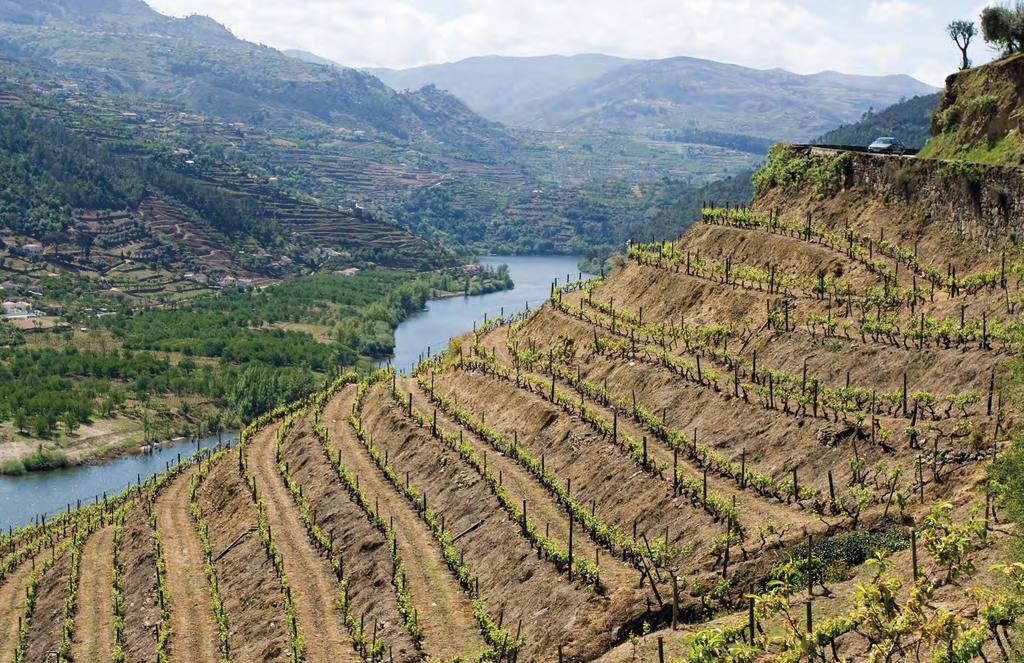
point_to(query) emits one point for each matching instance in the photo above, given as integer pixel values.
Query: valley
(768, 407)
(558, 358)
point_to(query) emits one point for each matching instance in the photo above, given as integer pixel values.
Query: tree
(1003, 27)
(54, 239)
(962, 32)
(21, 420)
(42, 425)
(70, 422)
(85, 240)
(214, 425)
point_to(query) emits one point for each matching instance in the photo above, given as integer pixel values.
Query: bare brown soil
(812, 445)
(141, 600)
(623, 493)
(94, 617)
(445, 612)
(44, 629)
(515, 582)
(253, 598)
(940, 237)
(314, 586)
(193, 625)
(542, 506)
(360, 544)
(12, 606)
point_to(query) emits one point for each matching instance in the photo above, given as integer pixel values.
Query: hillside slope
(504, 88)
(760, 407)
(125, 47)
(93, 200)
(979, 117)
(680, 92)
(332, 136)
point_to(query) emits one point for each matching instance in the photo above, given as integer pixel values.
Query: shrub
(835, 557)
(983, 106)
(827, 174)
(783, 169)
(949, 118)
(43, 459)
(967, 176)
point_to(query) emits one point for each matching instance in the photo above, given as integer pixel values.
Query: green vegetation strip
(118, 654)
(164, 631)
(71, 600)
(602, 533)
(548, 547)
(219, 611)
(398, 576)
(31, 591)
(367, 647)
(295, 640)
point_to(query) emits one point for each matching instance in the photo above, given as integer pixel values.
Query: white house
(18, 309)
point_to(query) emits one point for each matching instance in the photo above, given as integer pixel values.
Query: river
(24, 497)
(443, 318)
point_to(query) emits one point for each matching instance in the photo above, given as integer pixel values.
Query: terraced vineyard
(769, 440)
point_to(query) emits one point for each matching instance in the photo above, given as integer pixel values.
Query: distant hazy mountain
(504, 88)
(312, 58)
(658, 97)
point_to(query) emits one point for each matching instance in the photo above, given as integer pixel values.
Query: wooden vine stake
(752, 620)
(913, 552)
(570, 542)
(675, 599)
(675, 470)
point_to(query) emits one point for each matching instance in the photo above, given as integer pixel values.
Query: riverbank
(92, 443)
(99, 454)
(25, 496)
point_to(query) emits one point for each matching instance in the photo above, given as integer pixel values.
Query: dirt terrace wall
(979, 204)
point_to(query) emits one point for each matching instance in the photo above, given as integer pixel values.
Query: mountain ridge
(618, 93)
(200, 64)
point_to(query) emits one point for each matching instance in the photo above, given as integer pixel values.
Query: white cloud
(801, 35)
(888, 12)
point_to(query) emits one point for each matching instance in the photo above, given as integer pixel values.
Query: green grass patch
(834, 558)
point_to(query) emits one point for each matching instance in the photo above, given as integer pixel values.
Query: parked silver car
(887, 145)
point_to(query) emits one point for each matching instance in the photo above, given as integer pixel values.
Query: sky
(805, 36)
